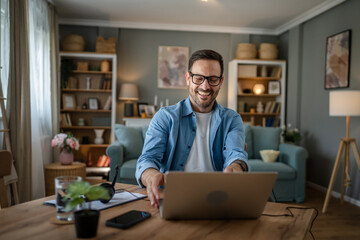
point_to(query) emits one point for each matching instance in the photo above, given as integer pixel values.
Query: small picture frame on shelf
(141, 108)
(150, 110)
(93, 104)
(274, 87)
(69, 101)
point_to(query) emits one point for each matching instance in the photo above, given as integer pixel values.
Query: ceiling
(232, 16)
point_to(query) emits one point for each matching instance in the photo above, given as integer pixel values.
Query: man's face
(202, 96)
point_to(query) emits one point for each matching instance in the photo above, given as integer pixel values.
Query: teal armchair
(125, 152)
(290, 164)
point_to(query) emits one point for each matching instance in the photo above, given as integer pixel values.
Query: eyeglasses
(199, 79)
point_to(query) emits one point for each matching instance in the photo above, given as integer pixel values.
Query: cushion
(127, 170)
(285, 172)
(132, 140)
(249, 140)
(265, 138)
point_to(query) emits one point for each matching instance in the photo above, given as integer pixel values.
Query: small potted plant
(291, 135)
(86, 219)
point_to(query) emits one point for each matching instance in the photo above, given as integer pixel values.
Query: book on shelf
(68, 120)
(241, 106)
(268, 106)
(276, 122)
(240, 91)
(276, 72)
(104, 161)
(107, 104)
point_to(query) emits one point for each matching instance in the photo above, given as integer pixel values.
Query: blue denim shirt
(171, 134)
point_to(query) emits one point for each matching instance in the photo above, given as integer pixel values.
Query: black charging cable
(292, 215)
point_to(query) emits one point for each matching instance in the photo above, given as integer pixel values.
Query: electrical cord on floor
(292, 215)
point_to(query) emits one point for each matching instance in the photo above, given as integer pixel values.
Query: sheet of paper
(119, 198)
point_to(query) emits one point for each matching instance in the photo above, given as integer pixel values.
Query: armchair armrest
(116, 153)
(295, 157)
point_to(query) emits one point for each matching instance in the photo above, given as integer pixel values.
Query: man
(196, 134)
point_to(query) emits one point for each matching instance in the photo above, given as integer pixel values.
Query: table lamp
(128, 92)
(343, 104)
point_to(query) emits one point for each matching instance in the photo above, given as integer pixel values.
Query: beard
(201, 103)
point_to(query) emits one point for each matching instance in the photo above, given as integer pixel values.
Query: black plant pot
(86, 223)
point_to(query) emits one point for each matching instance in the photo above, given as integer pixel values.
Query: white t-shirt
(199, 159)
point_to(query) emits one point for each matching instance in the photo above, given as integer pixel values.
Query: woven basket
(268, 51)
(73, 43)
(246, 51)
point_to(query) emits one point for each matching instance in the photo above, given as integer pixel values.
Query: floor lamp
(128, 93)
(343, 103)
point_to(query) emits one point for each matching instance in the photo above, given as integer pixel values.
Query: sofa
(290, 164)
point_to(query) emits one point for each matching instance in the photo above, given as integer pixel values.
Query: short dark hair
(206, 54)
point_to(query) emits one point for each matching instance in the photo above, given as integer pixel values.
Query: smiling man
(196, 134)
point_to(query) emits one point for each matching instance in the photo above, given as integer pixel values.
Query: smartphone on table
(127, 219)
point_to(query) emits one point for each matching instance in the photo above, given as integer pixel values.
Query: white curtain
(40, 92)
(4, 56)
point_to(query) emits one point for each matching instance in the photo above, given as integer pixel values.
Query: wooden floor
(339, 221)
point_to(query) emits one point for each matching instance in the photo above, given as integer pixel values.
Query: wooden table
(54, 170)
(33, 220)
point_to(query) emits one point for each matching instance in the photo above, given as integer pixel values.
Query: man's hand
(233, 167)
(152, 179)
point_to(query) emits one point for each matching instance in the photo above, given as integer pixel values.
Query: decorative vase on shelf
(98, 134)
(66, 158)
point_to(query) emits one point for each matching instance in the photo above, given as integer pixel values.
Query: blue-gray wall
(308, 101)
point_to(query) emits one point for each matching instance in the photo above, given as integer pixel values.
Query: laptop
(216, 195)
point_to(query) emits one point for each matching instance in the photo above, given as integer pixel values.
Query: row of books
(105, 82)
(65, 120)
(272, 122)
(272, 107)
(103, 161)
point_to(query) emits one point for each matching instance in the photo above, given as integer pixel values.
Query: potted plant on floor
(86, 219)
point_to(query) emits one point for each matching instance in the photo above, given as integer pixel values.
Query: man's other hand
(152, 179)
(233, 167)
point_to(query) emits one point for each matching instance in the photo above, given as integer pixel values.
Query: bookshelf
(88, 103)
(243, 75)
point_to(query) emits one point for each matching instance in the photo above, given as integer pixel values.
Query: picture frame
(93, 104)
(69, 101)
(172, 67)
(337, 65)
(150, 110)
(274, 87)
(141, 108)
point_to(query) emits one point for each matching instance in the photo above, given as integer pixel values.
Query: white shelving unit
(248, 82)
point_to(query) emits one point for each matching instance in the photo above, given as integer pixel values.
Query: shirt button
(193, 130)
(181, 165)
(189, 146)
(224, 148)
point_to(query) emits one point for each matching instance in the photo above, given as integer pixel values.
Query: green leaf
(78, 188)
(73, 203)
(96, 193)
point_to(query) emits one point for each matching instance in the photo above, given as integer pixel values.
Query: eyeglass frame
(205, 78)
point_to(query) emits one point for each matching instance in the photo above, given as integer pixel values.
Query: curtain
(55, 74)
(40, 93)
(19, 96)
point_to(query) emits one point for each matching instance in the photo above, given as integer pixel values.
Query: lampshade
(344, 103)
(128, 91)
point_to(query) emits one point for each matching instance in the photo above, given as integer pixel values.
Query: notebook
(216, 195)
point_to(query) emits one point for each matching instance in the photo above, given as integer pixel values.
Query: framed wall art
(93, 103)
(69, 101)
(338, 60)
(274, 87)
(172, 66)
